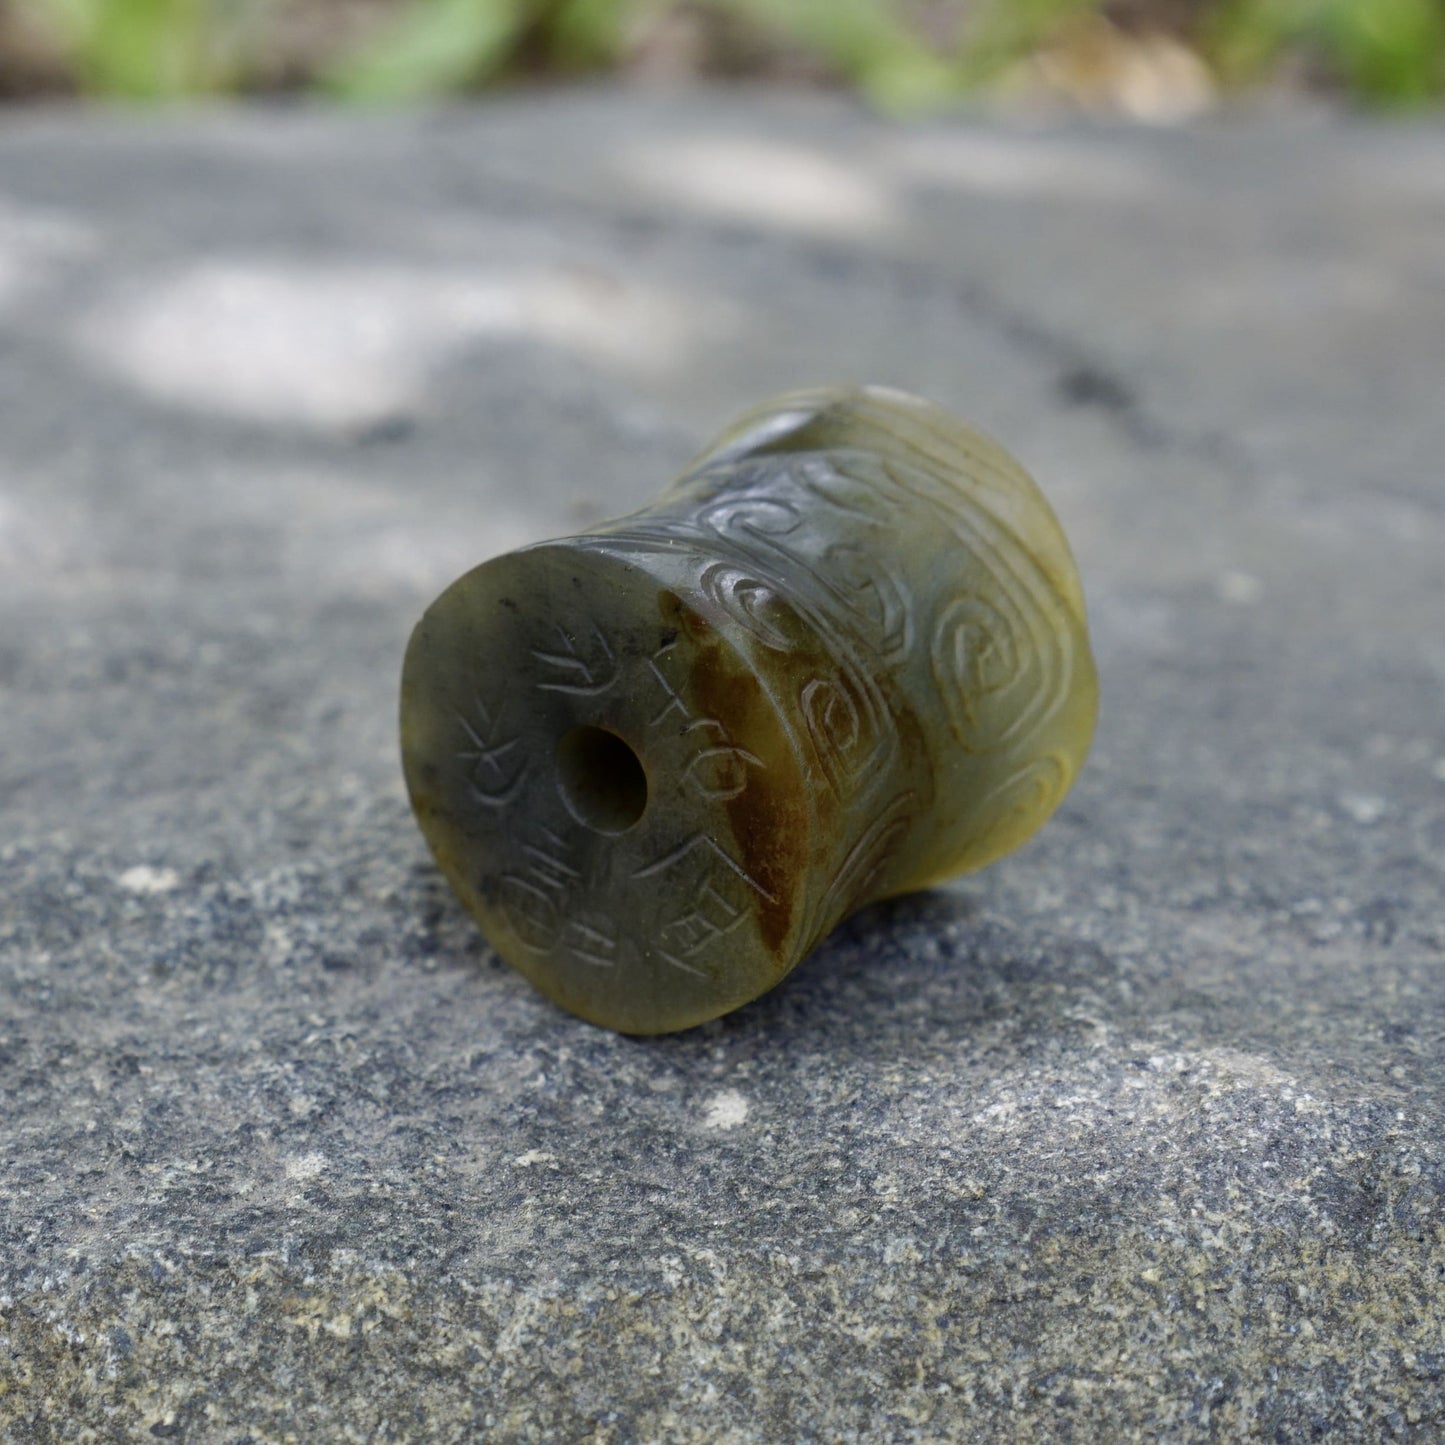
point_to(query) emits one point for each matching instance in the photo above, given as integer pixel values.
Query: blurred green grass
(901, 55)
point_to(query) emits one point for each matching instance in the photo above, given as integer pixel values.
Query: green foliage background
(1383, 52)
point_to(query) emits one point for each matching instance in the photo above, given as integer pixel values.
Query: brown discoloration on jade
(761, 816)
(766, 819)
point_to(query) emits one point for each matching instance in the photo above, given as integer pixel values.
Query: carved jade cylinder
(844, 656)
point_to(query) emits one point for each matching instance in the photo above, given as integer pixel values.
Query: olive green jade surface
(843, 656)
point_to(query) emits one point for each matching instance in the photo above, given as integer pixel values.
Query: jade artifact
(843, 656)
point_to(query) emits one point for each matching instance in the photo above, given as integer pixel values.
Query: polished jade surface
(843, 656)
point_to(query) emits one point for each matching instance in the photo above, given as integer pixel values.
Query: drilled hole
(602, 779)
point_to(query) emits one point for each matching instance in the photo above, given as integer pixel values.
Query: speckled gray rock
(1138, 1134)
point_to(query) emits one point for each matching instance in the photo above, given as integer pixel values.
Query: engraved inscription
(495, 772)
(592, 938)
(583, 669)
(530, 912)
(534, 899)
(674, 702)
(708, 843)
(690, 933)
(546, 864)
(718, 771)
(716, 768)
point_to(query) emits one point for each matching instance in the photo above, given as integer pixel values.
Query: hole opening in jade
(602, 780)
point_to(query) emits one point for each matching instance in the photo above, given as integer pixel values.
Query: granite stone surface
(1139, 1134)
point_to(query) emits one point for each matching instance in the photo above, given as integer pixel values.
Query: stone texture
(1138, 1133)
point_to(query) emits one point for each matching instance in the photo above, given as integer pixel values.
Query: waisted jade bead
(843, 656)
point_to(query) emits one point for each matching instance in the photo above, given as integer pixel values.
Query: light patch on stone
(347, 345)
(901, 1249)
(145, 879)
(1019, 165)
(768, 182)
(534, 1156)
(34, 244)
(725, 1110)
(305, 1166)
(1363, 808)
(1270, 288)
(1240, 588)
